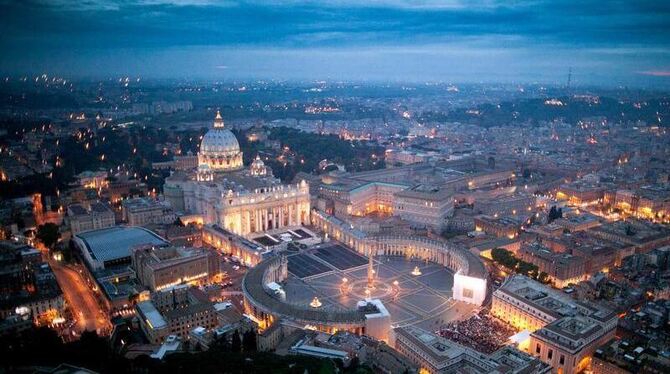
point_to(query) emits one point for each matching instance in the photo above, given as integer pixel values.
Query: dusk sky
(605, 42)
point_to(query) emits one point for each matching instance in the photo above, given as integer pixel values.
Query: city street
(81, 299)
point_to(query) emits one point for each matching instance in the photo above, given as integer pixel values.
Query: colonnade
(248, 219)
(422, 248)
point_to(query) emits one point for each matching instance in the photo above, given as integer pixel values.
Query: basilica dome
(219, 148)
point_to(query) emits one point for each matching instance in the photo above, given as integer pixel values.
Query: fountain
(315, 302)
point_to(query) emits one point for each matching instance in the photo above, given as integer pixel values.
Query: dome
(219, 148)
(219, 141)
(258, 167)
(258, 163)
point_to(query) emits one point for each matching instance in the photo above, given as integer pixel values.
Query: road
(81, 299)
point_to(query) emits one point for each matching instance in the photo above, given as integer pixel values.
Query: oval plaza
(364, 300)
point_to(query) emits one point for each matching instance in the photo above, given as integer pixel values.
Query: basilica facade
(242, 200)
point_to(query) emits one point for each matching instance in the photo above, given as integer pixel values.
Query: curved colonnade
(469, 279)
(458, 259)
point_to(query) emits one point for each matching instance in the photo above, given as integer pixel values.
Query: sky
(603, 42)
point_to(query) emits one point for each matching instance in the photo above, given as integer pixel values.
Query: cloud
(656, 73)
(145, 23)
(613, 37)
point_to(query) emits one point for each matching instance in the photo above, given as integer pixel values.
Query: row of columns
(366, 246)
(272, 218)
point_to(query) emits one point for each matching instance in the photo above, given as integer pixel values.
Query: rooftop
(552, 302)
(449, 356)
(116, 242)
(151, 315)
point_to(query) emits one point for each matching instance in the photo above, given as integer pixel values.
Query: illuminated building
(28, 285)
(396, 157)
(183, 236)
(143, 211)
(654, 202)
(487, 178)
(420, 205)
(638, 235)
(564, 332)
(425, 205)
(237, 246)
(580, 193)
(626, 200)
(499, 226)
(361, 199)
(159, 268)
(562, 268)
(98, 216)
(577, 222)
(421, 194)
(175, 311)
(505, 205)
(93, 179)
(242, 201)
(435, 354)
(113, 246)
(648, 202)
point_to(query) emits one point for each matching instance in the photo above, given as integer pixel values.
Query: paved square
(303, 265)
(423, 300)
(340, 257)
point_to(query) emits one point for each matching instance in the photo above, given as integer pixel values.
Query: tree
(93, 350)
(526, 268)
(509, 261)
(554, 214)
(504, 258)
(237, 343)
(48, 234)
(249, 342)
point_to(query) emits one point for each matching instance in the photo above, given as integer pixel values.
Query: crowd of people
(481, 332)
